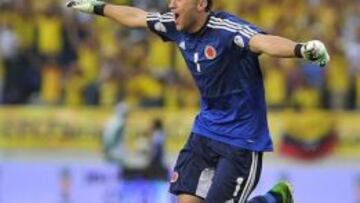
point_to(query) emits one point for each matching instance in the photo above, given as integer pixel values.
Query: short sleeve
(244, 33)
(163, 25)
(241, 30)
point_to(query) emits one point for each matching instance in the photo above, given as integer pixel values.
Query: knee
(184, 198)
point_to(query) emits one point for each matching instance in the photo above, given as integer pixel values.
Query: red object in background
(299, 149)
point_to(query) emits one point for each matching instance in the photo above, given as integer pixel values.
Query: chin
(179, 28)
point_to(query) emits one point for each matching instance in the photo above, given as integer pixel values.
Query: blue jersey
(228, 76)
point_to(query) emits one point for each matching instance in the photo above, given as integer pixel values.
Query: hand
(87, 6)
(315, 51)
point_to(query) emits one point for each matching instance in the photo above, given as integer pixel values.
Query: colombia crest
(210, 52)
(174, 177)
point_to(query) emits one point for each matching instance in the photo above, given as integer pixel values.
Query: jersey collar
(203, 28)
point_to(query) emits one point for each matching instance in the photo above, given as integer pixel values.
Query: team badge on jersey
(238, 40)
(210, 52)
(174, 177)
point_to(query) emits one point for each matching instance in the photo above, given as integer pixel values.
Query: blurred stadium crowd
(51, 55)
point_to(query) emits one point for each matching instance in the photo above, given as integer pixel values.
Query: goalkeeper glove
(88, 6)
(314, 51)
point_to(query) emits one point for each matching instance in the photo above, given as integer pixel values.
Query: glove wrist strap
(297, 50)
(99, 9)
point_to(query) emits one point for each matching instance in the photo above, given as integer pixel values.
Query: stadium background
(62, 75)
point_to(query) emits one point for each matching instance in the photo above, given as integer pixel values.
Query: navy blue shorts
(215, 171)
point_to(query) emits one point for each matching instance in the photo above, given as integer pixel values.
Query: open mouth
(176, 16)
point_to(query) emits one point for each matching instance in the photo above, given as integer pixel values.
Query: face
(186, 13)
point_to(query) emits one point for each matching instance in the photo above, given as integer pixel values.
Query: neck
(200, 22)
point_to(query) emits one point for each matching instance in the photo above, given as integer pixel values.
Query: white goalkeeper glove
(88, 6)
(314, 51)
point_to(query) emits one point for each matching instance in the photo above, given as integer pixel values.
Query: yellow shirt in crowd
(89, 62)
(159, 54)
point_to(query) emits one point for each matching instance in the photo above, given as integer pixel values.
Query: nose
(172, 4)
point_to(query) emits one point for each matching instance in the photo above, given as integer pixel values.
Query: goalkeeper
(222, 159)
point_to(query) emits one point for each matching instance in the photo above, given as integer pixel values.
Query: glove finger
(310, 51)
(327, 57)
(70, 4)
(309, 47)
(317, 50)
(315, 53)
(323, 62)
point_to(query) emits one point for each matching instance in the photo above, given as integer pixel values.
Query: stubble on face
(186, 16)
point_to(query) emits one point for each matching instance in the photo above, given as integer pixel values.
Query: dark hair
(209, 5)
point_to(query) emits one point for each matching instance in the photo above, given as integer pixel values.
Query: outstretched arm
(125, 15)
(276, 46)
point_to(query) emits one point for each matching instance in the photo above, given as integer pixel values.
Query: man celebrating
(222, 159)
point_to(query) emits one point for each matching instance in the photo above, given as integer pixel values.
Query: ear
(201, 5)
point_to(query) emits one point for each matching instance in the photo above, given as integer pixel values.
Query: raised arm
(125, 15)
(276, 46)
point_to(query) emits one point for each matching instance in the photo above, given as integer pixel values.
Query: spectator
(45, 54)
(157, 168)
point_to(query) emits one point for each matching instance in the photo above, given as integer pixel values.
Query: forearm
(314, 50)
(273, 45)
(127, 16)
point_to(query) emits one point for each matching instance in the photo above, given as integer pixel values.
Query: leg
(188, 199)
(235, 177)
(193, 172)
(279, 193)
(235, 180)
